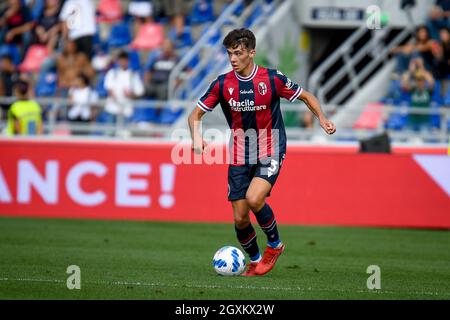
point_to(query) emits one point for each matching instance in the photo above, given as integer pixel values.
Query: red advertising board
(139, 181)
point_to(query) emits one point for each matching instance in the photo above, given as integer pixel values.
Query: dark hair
(22, 87)
(446, 28)
(7, 56)
(237, 37)
(424, 27)
(122, 55)
(84, 78)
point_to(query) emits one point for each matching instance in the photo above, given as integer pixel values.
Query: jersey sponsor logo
(246, 91)
(262, 88)
(230, 90)
(246, 105)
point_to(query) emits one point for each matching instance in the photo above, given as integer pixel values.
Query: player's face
(240, 57)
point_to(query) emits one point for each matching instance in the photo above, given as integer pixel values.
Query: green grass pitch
(162, 260)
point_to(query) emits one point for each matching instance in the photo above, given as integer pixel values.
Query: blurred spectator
(82, 98)
(444, 53)
(420, 84)
(150, 35)
(101, 60)
(123, 85)
(79, 24)
(24, 115)
(158, 69)
(48, 26)
(15, 24)
(142, 12)
(177, 10)
(423, 46)
(69, 64)
(8, 75)
(439, 17)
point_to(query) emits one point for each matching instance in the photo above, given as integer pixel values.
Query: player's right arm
(205, 104)
(195, 118)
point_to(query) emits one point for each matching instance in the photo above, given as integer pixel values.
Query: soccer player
(249, 96)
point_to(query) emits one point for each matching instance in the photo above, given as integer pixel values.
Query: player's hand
(199, 146)
(327, 126)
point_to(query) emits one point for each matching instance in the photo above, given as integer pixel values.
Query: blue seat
(12, 51)
(202, 12)
(120, 35)
(436, 95)
(145, 114)
(37, 9)
(396, 122)
(169, 116)
(100, 88)
(134, 59)
(181, 41)
(435, 119)
(47, 84)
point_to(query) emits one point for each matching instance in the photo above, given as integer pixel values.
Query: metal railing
(348, 53)
(56, 123)
(208, 50)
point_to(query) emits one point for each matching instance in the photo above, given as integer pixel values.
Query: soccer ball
(229, 261)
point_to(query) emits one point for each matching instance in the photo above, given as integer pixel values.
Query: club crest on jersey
(262, 88)
(230, 90)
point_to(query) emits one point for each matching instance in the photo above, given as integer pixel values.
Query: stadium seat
(446, 98)
(202, 12)
(100, 88)
(34, 58)
(435, 119)
(370, 118)
(149, 36)
(169, 116)
(181, 41)
(37, 9)
(12, 51)
(145, 114)
(134, 59)
(46, 84)
(395, 122)
(437, 97)
(120, 35)
(109, 11)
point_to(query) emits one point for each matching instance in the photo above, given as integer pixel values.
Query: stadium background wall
(137, 181)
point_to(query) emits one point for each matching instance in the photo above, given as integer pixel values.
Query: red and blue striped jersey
(251, 106)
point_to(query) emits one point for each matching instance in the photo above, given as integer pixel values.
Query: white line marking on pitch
(205, 286)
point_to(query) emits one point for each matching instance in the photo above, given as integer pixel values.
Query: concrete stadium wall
(138, 181)
(351, 13)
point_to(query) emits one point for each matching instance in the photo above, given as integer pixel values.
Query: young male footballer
(249, 96)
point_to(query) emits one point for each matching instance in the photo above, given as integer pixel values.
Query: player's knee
(255, 202)
(241, 221)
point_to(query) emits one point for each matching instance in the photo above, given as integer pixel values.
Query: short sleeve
(211, 98)
(286, 88)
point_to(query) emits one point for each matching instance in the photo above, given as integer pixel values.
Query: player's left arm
(313, 104)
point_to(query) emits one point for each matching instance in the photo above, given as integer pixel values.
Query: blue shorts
(239, 177)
